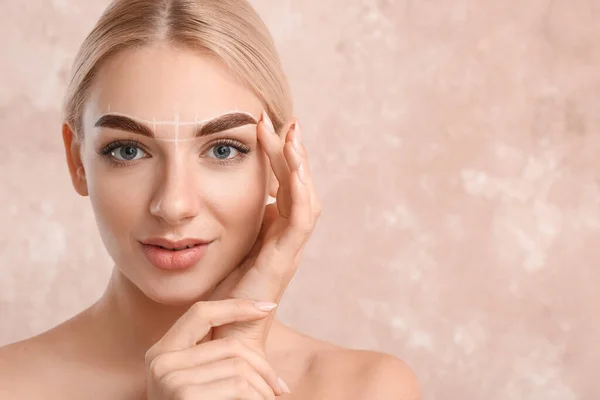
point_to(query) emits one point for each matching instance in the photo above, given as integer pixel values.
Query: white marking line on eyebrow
(153, 122)
(176, 140)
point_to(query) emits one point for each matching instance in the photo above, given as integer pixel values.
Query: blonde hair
(228, 29)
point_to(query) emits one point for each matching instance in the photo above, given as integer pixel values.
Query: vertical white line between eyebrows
(176, 130)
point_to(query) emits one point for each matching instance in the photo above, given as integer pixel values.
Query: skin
(179, 188)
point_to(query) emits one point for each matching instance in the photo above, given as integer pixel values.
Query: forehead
(160, 81)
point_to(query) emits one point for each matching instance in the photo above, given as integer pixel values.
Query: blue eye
(127, 153)
(222, 152)
(121, 152)
(227, 151)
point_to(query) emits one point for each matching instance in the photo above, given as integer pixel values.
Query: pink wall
(455, 146)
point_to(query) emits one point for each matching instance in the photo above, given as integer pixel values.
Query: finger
(222, 289)
(300, 224)
(292, 156)
(273, 146)
(270, 216)
(301, 214)
(211, 352)
(198, 320)
(236, 388)
(295, 137)
(216, 371)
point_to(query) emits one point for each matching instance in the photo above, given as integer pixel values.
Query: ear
(73, 153)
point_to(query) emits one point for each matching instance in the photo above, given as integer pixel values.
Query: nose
(176, 199)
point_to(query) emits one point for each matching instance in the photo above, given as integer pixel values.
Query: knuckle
(240, 365)
(199, 311)
(233, 343)
(198, 308)
(302, 227)
(171, 381)
(149, 357)
(239, 306)
(157, 366)
(305, 229)
(182, 393)
(240, 385)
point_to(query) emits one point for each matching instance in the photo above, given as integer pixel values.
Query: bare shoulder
(40, 366)
(333, 372)
(367, 375)
(19, 363)
(383, 376)
(326, 371)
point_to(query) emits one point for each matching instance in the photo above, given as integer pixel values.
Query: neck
(132, 322)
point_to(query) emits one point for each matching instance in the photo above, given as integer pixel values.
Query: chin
(176, 287)
(172, 288)
(175, 295)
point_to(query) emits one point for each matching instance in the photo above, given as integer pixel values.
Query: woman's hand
(216, 349)
(271, 264)
(177, 368)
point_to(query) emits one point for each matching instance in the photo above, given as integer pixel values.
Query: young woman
(178, 126)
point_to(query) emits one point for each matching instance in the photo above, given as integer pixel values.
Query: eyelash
(240, 147)
(106, 150)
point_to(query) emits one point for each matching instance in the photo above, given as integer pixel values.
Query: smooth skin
(198, 333)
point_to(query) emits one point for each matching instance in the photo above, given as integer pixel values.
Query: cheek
(115, 193)
(118, 196)
(237, 197)
(121, 197)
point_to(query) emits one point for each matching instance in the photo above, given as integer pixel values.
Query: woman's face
(175, 185)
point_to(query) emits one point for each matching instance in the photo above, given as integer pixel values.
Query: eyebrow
(141, 127)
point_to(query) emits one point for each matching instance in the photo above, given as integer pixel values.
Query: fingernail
(302, 173)
(264, 306)
(268, 122)
(284, 386)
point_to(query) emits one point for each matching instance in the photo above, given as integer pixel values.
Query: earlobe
(72, 153)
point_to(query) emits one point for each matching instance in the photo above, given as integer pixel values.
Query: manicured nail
(284, 386)
(302, 173)
(268, 122)
(264, 306)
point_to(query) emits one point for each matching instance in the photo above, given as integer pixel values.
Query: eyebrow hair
(210, 127)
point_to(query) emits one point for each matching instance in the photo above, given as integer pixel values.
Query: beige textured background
(455, 146)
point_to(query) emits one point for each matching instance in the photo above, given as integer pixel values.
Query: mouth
(176, 248)
(170, 255)
(175, 245)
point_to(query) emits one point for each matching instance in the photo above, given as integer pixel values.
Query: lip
(166, 259)
(173, 244)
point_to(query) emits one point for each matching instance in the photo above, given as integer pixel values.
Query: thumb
(255, 285)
